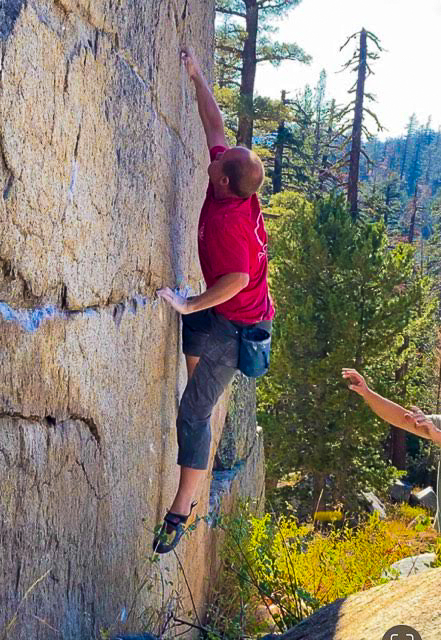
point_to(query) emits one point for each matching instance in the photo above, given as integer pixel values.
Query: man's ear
(224, 181)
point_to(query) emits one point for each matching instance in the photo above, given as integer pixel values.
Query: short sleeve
(229, 248)
(436, 419)
(215, 150)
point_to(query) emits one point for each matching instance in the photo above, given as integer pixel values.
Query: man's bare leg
(189, 478)
(191, 362)
(188, 484)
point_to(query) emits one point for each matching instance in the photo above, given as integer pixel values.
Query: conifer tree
(341, 300)
(278, 151)
(244, 38)
(410, 132)
(359, 63)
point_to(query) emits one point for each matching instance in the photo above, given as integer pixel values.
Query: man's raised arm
(413, 421)
(208, 109)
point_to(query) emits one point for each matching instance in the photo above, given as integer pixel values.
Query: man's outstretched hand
(191, 64)
(414, 420)
(357, 382)
(175, 300)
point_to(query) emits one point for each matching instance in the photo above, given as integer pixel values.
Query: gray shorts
(216, 341)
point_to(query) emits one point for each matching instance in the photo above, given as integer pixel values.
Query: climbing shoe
(171, 531)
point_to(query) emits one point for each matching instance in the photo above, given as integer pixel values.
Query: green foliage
(266, 112)
(343, 298)
(286, 571)
(407, 513)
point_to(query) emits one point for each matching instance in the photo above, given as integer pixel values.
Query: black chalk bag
(254, 353)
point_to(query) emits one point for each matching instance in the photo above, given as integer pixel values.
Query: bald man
(232, 244)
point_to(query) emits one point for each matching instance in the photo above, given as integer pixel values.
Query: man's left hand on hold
(177, 301)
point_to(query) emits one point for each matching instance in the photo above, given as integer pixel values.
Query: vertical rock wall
(102, 174)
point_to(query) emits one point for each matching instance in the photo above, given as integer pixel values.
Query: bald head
(244, 171)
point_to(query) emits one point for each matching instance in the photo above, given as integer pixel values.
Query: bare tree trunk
(278, 156)
(245, 128)
(398, 448)
(318, 125)
(354, 162)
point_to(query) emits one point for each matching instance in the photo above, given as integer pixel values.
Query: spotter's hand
(178, 302)
(357, 382)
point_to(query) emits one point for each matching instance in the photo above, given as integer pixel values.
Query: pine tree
(341, 301)
(359, 63)
(244, 39)
(410, 132)
(279, 145)
(301, 147)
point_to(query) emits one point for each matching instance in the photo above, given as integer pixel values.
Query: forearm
(209, 111)
(224, 289)
(413, 421)
(389, 411)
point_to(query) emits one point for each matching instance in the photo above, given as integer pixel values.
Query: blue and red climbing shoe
(171, 531)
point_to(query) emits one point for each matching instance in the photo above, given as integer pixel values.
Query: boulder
(411, 565)
(373, 504)
(413, 601)
(424, 498)
(239, 433)
(400, 491)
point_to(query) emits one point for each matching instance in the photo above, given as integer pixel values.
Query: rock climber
(232, 245)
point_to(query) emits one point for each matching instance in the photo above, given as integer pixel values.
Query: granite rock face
(102, 174)
(238, 468)
(413, 601)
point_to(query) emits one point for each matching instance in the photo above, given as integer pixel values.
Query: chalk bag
(254, 353)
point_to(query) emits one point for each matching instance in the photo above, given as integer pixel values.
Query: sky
(407, 76)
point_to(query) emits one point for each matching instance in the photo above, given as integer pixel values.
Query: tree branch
(236, 52)
(230, 12)
(281, 4)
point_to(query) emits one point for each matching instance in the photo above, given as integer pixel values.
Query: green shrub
(292, 569)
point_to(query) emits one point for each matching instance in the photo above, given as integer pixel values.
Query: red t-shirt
(232, 238)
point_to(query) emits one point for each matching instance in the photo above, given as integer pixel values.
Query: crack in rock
(50, 421)
(126, 58)
(3, 157)
(32, 319)
(8, 186)
(91, 486)
(91, 425)
(184, 11)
